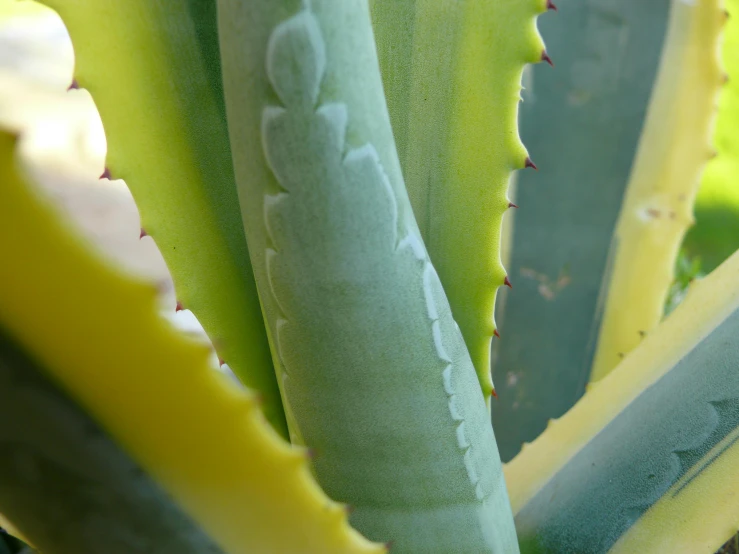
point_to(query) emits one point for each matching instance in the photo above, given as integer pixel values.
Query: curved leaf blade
(97, 334)
(452, 76)
(67, 485)
(658, 207)
(377, 378)
(164, 119)
(581, 121)
(663, 424)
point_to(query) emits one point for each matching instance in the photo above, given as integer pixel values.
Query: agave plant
(331, 183)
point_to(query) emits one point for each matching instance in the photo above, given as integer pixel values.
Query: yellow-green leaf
(452, 76)
(96, 334)
(153, 69)
(634, 466)
(658, 207)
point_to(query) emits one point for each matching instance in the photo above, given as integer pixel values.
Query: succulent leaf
(657, 433)
(153, 70)
(68, 485)
(452, 76)
(716, 233)
(376, 375)
(96, 334)
(582, 122)
(658, 207)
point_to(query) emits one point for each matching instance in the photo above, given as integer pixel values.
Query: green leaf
(95, 333)
(377, 379)
(646, 460)
(581, 121)
(67, 485)
(658, 208)
(716, 233)
(153, 69)
(452, 77)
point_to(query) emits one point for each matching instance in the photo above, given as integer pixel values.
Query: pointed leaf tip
(496, 333)
(545, 58)
(507, 282)
(178, 307)
(143, 233)
(74, 85)
(551, 5)
(529, 163)
(105, 174)
(512, 205)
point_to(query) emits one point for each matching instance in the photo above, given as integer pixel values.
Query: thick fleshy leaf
(67, 485)
(452, 77)
(581, 120)
(658, 209)
(376, 375)
(646, 460)
(716, 232)
(152, 67)
(95, 334)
